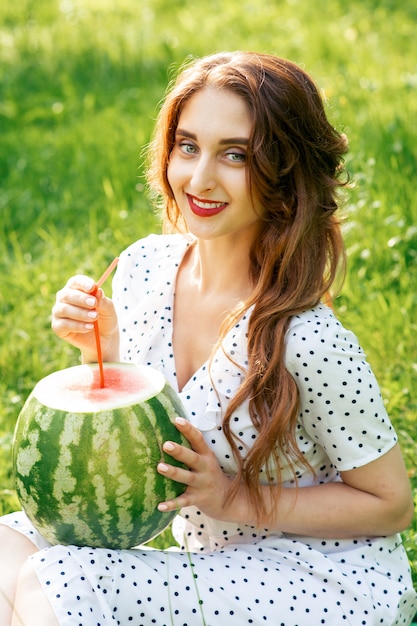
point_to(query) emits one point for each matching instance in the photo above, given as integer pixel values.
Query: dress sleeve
(130, 287)
(341, 406)
(143, 288)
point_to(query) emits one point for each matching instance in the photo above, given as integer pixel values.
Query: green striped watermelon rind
(85, 479)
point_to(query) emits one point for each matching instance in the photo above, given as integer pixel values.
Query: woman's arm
(372, 500)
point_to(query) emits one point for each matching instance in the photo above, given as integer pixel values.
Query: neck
(218, 266)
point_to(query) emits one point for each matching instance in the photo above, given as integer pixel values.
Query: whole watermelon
(85, 457)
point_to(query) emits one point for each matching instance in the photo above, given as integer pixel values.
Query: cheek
(174, 173)
(171, 183)
(167, 183)
(169, 173)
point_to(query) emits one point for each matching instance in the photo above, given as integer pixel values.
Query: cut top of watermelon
(77, 389)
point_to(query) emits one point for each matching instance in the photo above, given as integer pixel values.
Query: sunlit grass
(80, 83)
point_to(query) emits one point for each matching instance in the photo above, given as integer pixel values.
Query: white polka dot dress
(226, 573)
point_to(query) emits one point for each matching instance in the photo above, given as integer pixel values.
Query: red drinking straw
(96, 330)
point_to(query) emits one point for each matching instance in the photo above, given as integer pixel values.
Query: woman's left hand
(207, 485)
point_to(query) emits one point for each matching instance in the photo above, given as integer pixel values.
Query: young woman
(297, 488)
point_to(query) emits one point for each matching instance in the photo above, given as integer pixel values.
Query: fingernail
(168, 446)
(92, 314)
(90, 301)
(162, 507)
(180, 420)
(162, 467)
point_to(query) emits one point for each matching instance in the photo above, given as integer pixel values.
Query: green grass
(80, 85)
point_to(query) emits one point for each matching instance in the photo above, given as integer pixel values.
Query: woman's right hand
(78, 305)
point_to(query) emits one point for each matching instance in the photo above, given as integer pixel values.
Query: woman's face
(207, 171)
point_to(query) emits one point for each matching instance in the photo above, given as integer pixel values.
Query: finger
(182, 454)
(70, 297)
(178, 474)
(82, 283)
(78, 297)
(77, 312)
(193, 435)
(73, 295)
(64, 327)
(175, 505)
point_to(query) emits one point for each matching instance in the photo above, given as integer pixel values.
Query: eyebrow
(227, 141)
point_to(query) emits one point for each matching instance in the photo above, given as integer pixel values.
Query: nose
(203, 177)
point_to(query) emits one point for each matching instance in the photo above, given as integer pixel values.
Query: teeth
(207, 205)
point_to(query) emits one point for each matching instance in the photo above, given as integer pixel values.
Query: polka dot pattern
(230, 573)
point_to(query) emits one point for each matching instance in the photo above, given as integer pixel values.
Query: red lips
(205, 208)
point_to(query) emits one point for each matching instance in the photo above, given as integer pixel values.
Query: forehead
(219, 112)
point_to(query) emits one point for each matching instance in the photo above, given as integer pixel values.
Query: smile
(204, 208)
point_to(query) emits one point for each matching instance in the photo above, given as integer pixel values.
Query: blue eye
(187, 148)
(236, 157)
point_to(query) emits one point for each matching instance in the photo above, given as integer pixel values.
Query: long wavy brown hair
(295, 169)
